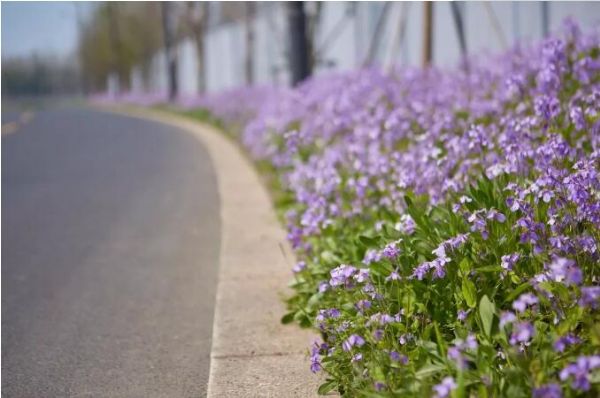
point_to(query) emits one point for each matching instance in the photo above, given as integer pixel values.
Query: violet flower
(443, 389)
(579, 372)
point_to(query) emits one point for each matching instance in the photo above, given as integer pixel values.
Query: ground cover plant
(446, 223)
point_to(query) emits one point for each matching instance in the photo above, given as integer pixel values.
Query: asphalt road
(110, 240)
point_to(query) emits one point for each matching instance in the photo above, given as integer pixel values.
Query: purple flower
(547, 107)
(353, 340)
(371, 256)
(379, 386)
(323, 287)
(406, 225)
(455, 354)
(551, 390)
(390, 251)
(378, 334)
(362, 275)
(563, 342)
(363, 305)
(590, 296)
(405, 338)
(462, 315)
(478, 224)
(333, 313)
(507, 317)
(440, 251)
(444, 389)
(457, 241)
(494, 214)
(394, 276)
(470, 342)
(397, 357)
(525, 300)
(315, 364)
(565, 271)
(301, 265)
(577, 117)
(341, 274)
(325, 314)
(439, 266)
(420, 271)
(509, 261)
(580, 371)
(522, 333)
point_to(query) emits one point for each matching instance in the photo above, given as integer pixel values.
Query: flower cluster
(447, 222)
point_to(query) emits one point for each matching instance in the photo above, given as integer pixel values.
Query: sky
(46, 28)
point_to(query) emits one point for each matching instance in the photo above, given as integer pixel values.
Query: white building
(346, 32)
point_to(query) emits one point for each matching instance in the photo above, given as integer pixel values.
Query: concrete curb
(252, 354)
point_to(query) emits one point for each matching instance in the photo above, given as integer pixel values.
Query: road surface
(110, 239)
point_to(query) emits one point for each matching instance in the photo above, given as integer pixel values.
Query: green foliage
(117, 37)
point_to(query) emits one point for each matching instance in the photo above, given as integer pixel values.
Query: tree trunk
(197, 18)
(299, 59)
(460, 30)
(427, 32)
(249, 61)
(117, 50)
(170, 49)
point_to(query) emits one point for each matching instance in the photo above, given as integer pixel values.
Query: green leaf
(460, 390)
(518, 290)
(330, 258)
(305, 322)
(429, 370)
(288, 318)
(302, 319)
(490, 268)
(327, 387)
(440, 339)
(469, 293)
(465, 266)
(367, 240)
(487, 309)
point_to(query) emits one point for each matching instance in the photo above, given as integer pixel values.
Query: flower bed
(446, 223)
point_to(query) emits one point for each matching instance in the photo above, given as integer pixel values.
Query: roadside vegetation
(446, 223)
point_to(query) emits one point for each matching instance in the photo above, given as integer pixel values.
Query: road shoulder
(252, 354)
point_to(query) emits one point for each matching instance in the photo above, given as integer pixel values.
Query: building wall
(349, 34)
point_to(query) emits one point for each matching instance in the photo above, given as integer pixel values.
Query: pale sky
(42, 27)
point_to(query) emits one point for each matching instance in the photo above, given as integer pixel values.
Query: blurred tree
(35, 75)
(195, 18)
(169, 32)
(117, 37)
(249, 24)
(313, 25)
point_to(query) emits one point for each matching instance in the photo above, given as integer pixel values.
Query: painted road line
(9, 128)
(13, 127)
